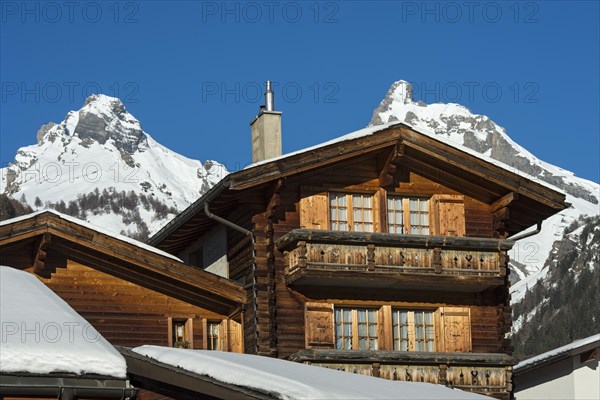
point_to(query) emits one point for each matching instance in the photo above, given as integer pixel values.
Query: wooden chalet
(383, 252)
(130, 292)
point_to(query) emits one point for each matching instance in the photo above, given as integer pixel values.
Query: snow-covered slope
(458, 124)
(102, 146)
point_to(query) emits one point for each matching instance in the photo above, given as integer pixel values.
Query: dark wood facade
(303, 271)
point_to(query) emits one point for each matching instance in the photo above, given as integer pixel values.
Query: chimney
(266, 129)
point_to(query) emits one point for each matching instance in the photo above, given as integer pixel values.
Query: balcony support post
(437, 260)
(443, 374)
(370, 257)
(302, 254)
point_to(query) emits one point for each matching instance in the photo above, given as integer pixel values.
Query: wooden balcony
(393, 261)
(486, 373)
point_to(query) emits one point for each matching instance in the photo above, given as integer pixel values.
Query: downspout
(253, 284)
(524, 235)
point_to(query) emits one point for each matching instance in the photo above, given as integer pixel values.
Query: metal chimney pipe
(269, 98)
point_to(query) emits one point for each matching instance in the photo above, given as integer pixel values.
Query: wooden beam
(491, 172)
(39, 255)
(389, 168)
(313, 159)
(290, 240)
(450, 180)
(504, 201)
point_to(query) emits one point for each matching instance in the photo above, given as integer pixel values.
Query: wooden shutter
(456, 329)
(314, 208)
(318, 322)
(386, 339)
(223, 331)
(449, 214)
(189, 332)
(235, 337)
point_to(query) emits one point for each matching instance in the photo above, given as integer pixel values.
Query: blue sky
(190, 70)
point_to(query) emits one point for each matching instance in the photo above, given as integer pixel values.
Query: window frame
(407, 212)
(350, 210)
(355, 337)
(213, 342)
(188, 333)
(411, 328)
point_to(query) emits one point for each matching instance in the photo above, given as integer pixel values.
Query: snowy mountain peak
(100, 119)
(99, 158)
(458, 124)
(401, 91)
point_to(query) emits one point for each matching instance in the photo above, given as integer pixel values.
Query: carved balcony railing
(326, 256)
(489, 374)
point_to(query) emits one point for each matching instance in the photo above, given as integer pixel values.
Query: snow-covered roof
(43, 334)
(94, 227)
(422, 130)
(294, 381)
(558, 351)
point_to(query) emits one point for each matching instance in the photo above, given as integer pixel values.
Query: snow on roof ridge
(557, 351)
(97, 228)
(43, 334)
(370, 130)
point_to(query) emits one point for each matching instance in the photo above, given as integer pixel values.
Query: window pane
(348, 344)
(373, 330)
(429, 332)
(403, 317)
(418, 317)
(362, 330)
(414, 219)
(419, 332)
(362, 344)
(428, 318)
(362, 315)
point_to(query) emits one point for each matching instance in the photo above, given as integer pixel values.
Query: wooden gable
(515, 201)
(45, 242)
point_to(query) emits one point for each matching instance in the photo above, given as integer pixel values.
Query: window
(362, 206)
(180, 333)
(338, 212)
(352, 212)
(419, 216)
(395, 215)
(356, 329)
(213, 335)
(409, 215)
(413, 330)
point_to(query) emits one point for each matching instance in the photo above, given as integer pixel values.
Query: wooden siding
(285, 316)
(124, 313)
